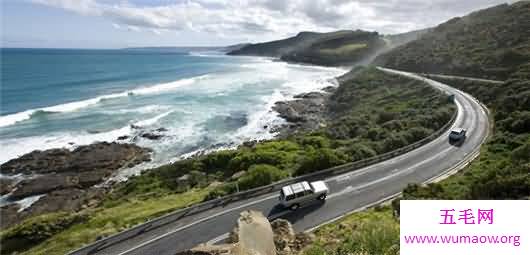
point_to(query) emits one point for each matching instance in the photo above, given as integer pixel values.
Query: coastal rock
(123, 137)
(329, 89)
(6, 185)
(66, 178)
(8, 215)
(313, 94)
(287, 111)
(249, 144)
(151, 136)
(47, 183)
(306, 112)
(66, 200)
(72, 199)
(110, 156)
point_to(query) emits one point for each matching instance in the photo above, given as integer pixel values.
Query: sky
(137, 23)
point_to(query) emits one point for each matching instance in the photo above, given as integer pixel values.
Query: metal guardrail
(200, 207)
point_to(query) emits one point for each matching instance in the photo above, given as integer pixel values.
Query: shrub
(316, 141)
(522, 153)
(360, 151)
(393, 125)
(320, 159)
(221, 191)
(393, 142)
(218, 160)
(260, 175)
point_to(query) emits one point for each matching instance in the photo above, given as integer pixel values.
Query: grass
(37, 229)
(109, 220)
(374, 231)
(344, 49)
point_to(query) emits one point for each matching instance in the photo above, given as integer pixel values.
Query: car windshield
(455, 132)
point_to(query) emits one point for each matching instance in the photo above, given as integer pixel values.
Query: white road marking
(343, 178)
(195, 223)
(393, 174)
(218, 239)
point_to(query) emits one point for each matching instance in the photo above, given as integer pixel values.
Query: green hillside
(489, 43)
(330, 49)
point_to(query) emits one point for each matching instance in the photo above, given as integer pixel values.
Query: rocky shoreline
(307, 111)
(65, 180)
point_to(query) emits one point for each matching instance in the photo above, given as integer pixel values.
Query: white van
(292, 196)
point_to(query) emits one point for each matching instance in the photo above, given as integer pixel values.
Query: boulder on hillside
(254, 235)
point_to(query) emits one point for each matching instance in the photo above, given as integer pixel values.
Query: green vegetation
(347, 48)
(37, 229)
(503, 169)
(59, 233)
(331, 49)
(374, 231)
(490, 43)
(344, 49)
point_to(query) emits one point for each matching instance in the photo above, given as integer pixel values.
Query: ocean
(63, 98)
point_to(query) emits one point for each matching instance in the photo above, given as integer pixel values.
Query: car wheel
(295, 207)
(322, 197)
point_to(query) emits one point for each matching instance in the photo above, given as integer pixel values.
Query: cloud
(266, 19)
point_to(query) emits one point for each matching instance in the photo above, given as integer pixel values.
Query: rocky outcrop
(65, 178)
(69, 200)
(286, 240)
(254, 235)
(6, 185)
(97, 156)
(305, 112)
(151, 135)
(8, 215)
(47, 183)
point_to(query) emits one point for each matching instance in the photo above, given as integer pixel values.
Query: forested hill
(490, 43)
(331, 49)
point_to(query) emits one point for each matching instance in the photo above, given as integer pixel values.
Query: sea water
(63, 98)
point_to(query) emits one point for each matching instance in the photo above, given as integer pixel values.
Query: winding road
(349, 192)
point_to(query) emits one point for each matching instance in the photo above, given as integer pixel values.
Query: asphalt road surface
(348, 192)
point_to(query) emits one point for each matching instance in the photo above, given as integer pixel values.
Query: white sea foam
(153, 120)
(262, 120)
(27, 202)
(274, 81)
(164, 87)
(11, 119)
(140, 110)
(17, 147)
